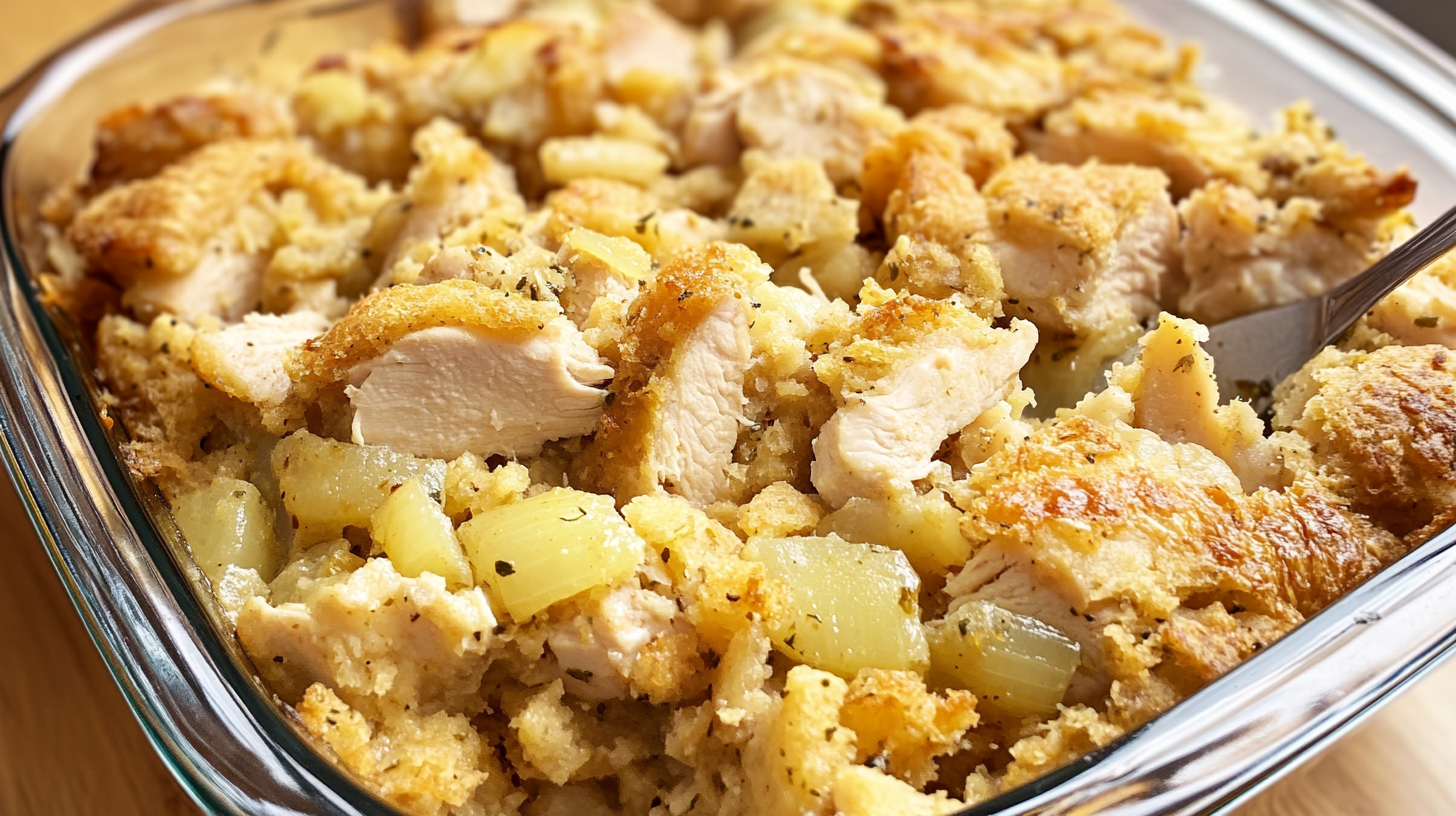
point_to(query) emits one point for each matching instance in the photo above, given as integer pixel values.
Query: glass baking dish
(236, 752)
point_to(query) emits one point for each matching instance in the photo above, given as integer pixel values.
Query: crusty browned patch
(137, 141)
(661, 318)
(904, 725)
(1294, 552)
(1383, 427)
(377, 321)
(160, 225)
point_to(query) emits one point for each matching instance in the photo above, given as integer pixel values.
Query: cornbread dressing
(610, 406)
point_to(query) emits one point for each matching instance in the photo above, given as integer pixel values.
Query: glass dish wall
(194, 693)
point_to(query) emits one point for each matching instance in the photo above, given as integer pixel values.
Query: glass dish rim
(37, 478)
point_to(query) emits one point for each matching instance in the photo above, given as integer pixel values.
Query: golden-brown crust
(1037, 203)
(885, 335)
(661, 318)
(1383, 429)
(902, 725)
(1292, 552)
(137, 141)
(159, 226)
(378, 320)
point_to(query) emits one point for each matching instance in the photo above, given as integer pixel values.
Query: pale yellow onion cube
(570, 158)
(1012, 662)
(328, 485)
(852, 606)
(618, 254)
(227, 523)
(504, 59)
(926, 528)
(418, 537)
(333, 100)
(550, 547)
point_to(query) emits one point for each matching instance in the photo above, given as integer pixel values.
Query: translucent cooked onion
(1012, 662)
(550, 547)
(418, 537)
(853, 606)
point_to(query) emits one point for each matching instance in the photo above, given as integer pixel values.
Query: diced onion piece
(1012, 662)
(615, 253)
(226, 523)
(853, 606)
(550, 547)
(926, 528)
(418, 537)
(574, 157)
(504, 59)
(328, 485)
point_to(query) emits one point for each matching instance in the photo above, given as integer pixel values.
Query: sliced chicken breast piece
(1243, 253)
(1082, 246)
(642, 38)
(919, 371)
(164, 226)
(454, 182)
(790, 108)
(225, 283)
(198, 239)
(677, 403)
(1113, 525)
(1175, 395)
(137, 142)
(1192, 139)
(599, 646)
(451, 367)
(246, 360)
(942, 54)
(446, 391)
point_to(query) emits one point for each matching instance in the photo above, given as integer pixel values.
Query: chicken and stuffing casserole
(609, 406)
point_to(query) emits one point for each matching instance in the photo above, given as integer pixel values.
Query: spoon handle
(1351, 299)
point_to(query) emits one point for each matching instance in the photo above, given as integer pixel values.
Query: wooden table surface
(70, 747)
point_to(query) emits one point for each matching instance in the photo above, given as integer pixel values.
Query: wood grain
(70, 747)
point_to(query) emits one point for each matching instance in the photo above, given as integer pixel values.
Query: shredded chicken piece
(1080, 247)
(246, 360)
(677, 401)
(1242, 253)
(455, 184)
(599, 643)
(918, 371)
(1175, 395)
(378, 639)
(1423, 311)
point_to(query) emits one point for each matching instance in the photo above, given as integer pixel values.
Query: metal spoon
(1254, 353)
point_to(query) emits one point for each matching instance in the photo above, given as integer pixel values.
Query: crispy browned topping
(376, 321)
